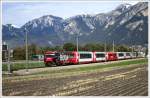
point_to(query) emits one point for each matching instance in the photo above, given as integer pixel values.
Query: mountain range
(127, 24)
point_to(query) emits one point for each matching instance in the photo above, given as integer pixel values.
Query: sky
(19, 13)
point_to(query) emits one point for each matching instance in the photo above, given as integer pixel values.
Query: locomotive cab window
(50, 55)
(84, 56)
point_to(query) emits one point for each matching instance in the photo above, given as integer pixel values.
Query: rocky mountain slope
(126, 24)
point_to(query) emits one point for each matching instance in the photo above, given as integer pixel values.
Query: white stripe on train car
(86, 60)
(100, 59)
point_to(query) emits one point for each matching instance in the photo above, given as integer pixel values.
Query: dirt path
(125, 81)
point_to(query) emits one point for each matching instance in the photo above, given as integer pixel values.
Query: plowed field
(126, 81)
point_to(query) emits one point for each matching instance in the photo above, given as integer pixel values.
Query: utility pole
(132, 48)
(105, 49)
(8, 60)
(26, 42)
(77, 42)
(113, 46)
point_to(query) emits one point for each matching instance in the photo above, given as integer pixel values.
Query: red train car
(111, 56)
(85, 57)
(80, 57)
(73, 57)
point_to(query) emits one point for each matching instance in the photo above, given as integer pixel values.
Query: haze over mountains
(126, 24)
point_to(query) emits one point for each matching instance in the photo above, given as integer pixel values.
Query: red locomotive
(49, 58)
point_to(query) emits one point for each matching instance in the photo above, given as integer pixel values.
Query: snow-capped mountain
(126, 24)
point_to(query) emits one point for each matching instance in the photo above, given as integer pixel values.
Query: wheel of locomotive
(46, 65)
(63, 64)
(49, 64)
(57, 63)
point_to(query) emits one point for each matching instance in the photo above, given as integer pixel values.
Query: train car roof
(50, 52)
(99, 52)
(120, 52)
(111, 52)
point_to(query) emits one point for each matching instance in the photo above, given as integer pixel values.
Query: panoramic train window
(127, 54)
(100, 55)
(121, 54)
(84, 56)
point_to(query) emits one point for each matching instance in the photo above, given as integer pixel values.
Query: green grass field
(23, 66)
(95, 67)
(98, 67)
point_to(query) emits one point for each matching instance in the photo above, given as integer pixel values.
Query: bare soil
(127, 81)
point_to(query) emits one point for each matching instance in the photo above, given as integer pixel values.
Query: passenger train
(74, 57)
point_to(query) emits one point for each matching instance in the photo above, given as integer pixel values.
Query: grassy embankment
(41, 64)
(98, 66)
(17, 66)
(77, 71)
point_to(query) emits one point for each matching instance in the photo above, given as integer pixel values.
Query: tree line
(19, 52)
